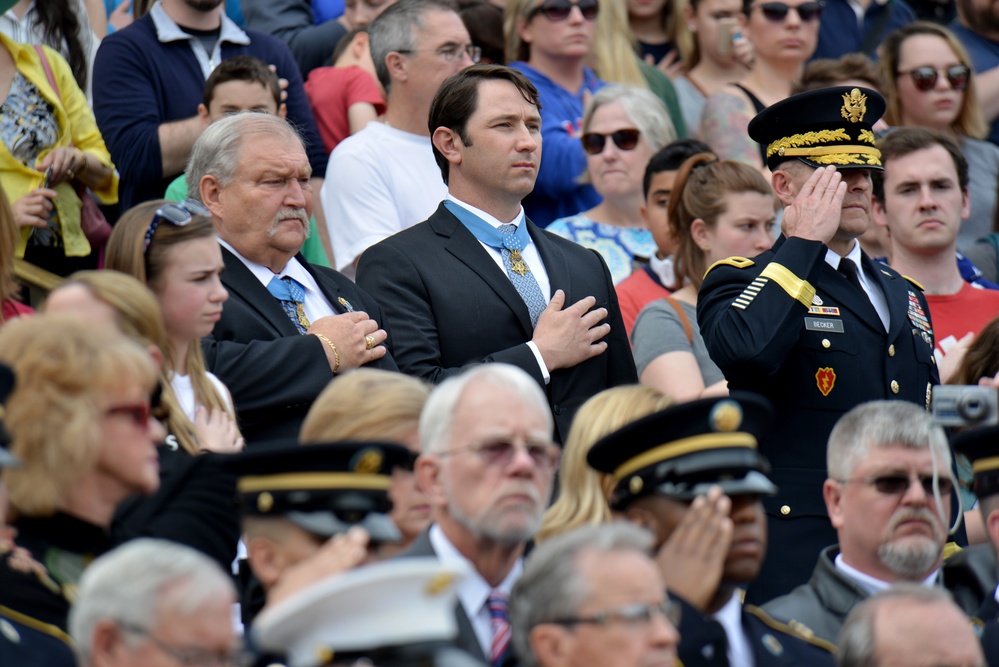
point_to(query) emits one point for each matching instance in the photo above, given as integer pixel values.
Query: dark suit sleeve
(750, 317)
(389, 274)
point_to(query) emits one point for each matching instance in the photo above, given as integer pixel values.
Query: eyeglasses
(452, 52)
(559, 10)
(139, 413)
(776, 12)
(632, 614)
(177, 215)
(193, 657)
(925, 78)
(897, 485)
(499, 452)
(594, 142)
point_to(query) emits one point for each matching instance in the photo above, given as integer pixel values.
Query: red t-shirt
(634, 293)
(957, 314)
(12, 309)
(331, 92)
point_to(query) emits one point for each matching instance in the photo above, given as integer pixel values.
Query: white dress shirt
(873, 290)
(730, 617)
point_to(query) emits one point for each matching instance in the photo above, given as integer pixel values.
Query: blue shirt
(840, 32)
(984, 55)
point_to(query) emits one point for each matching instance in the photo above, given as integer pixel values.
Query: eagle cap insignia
(368, 461)
(854, 106)
(439, 583)
(726, 416)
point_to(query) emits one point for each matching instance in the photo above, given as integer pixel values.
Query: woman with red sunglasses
(929, 83)
(784, 36)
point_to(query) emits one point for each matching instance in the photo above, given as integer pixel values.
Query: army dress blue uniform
(787, 324)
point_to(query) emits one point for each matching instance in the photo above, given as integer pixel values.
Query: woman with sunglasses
(550, 41)
(172, 248)
(929, 83)
(623, 127)
(783, 36)
(718, 209)
(80, 423)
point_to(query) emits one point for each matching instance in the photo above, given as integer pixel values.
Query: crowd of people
(554, 333)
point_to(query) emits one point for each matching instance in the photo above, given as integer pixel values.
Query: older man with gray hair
(888, 493)
(593, 597)
(487, 465)
(288, 326)
(150, 603)
(908, 625)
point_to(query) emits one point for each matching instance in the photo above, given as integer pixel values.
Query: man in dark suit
(478, 282)
(288, 327)
(794, 325)
(487, 465)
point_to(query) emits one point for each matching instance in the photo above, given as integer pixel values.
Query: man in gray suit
(487, 465)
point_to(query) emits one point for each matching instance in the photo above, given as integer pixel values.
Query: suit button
(891, 350)
(894, 386)
(557, 409)
(785, 509)
(826, 343)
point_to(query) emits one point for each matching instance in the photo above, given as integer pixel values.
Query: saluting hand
(815, 212)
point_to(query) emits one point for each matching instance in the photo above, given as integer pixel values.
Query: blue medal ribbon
(488, 234)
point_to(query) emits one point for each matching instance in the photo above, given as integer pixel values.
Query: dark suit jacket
(449, 305)
(273, 372)
(814, 362)
(467, 639)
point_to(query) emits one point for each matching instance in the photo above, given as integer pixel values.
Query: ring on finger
(369, 342)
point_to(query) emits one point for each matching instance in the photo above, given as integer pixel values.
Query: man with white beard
(888, 494)
(487, 465)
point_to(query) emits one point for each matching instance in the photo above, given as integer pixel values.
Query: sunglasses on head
(897, 485)
(594, 142)
(177, 215)
(559, 10)
(925, 78)
(777, 11)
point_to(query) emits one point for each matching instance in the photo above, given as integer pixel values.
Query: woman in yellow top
(50, 147)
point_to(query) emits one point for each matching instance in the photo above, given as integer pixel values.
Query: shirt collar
(485, 216)
(833, 259)
(168, 31)
(872, 584)
(473, 591)
(293, 268)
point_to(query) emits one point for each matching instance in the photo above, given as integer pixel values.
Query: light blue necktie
(290, 293)
(522, 277)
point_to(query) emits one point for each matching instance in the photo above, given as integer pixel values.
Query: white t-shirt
(379, 181)
(184, 390)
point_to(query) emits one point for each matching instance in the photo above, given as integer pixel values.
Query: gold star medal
(517, 263)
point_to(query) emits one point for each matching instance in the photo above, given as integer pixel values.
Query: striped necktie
(290, 293)
(500, 616)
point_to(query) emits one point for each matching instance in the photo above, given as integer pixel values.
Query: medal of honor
(517, 263)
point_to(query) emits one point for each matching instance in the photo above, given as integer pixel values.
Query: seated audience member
(193, 504)
(11, 307)
(783, 38)
(922, 198)
(153, 602)
(372, 404)
(650, 283)
(150, 77)
(50, 157)
(293, 499)
(981, 360)
(460, 291)
(928, 83)
(908, 624)
(614, 60)
(718, 209)
(80, 422)
(592, 597)
(714, 54)
(245, 83)
(709, 545)
(583, 492)
(859, 28)
(978, 445)
(484, 22)
(538, 43)
(658, 30)
(889, 495)
(383, 179)
(341, 619)
(623, 127)
(252, 173)
(346, 96)
(475, 458)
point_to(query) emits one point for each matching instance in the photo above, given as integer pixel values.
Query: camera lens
(972, 408)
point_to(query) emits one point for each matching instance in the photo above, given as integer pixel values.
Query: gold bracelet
(336, 355)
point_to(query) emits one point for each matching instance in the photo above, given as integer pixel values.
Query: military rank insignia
(917, 315)
(825, 380)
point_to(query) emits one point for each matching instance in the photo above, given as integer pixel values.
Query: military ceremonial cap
(822, 127)
(388, 613)
(323, 489)
(981, 446)
(7, 460)
(683, 450)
